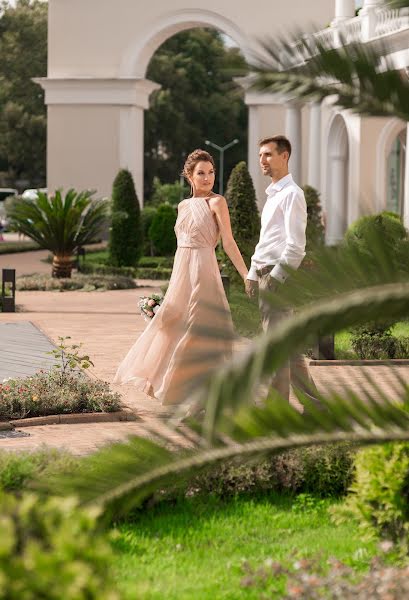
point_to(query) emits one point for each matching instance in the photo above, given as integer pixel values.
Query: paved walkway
(23, 350)
(107, 323)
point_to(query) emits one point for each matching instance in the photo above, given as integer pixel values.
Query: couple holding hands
(159, 360)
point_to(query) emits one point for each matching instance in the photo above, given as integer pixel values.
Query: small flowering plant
(150, 305)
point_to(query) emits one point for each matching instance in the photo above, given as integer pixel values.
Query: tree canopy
(198, 100)
(23, 51)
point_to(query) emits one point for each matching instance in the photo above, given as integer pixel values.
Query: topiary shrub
(315, 231)
(52, 549)
(244, 214)
(161, 231)
(379, 499)
(125, 242)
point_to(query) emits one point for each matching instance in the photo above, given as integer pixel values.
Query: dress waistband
(193, 247)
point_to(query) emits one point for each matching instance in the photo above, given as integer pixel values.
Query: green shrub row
(14, 247)
(325, 471)
(134, 272)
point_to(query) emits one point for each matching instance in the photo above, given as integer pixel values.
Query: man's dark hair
(283, 144)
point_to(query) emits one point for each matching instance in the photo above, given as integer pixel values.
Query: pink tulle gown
(160, 362)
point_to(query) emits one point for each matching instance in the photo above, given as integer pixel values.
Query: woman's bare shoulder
(217, 201)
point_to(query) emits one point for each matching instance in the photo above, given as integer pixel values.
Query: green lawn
(196, 548)
(245, 313)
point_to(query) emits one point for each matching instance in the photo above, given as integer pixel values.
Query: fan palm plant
(60, 224)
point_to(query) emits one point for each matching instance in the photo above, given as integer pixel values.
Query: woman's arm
(218, 206)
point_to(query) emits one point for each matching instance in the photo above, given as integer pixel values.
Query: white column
(368, 16)
(294, 134)
(314, 146)
(254, 137)
(131, 145)
(406, 183)
(336, 218)
(344, 9)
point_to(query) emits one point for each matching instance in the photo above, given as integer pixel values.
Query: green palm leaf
(122, 476)
(358, 76)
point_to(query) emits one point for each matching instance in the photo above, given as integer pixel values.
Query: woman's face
(202, 178)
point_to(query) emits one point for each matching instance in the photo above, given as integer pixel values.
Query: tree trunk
(62, 266)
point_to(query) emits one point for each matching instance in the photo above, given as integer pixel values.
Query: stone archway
(337, 188)
(96, 91)
(137, 56)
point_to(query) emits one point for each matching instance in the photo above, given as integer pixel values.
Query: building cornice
(124, 91)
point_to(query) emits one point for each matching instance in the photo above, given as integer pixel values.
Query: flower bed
(48, 394)
(85, 283)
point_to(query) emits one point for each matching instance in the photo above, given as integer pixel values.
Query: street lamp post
(221, 149)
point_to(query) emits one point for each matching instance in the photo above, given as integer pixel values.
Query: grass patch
(245, 312)
(197, 548)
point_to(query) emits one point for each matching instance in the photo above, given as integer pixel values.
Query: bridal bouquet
(150, 305)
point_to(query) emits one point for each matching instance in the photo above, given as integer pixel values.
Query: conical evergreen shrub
(315, 229)
(244, 214)
(126, 237)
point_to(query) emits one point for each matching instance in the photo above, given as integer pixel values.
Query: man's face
(271, 162)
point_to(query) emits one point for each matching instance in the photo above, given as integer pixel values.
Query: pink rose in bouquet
(149, 305)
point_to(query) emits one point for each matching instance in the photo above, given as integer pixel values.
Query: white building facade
(96, 93)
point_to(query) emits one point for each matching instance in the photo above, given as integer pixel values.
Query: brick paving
(107, 323)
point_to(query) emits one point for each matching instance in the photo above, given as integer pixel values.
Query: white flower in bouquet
(149, 305)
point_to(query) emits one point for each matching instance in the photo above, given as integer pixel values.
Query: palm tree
(60, 224)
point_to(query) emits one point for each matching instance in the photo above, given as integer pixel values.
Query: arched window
(396, 174)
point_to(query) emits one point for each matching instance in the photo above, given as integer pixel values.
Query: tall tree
(23, 51)
(198, 100)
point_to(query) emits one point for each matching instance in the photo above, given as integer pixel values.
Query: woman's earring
(191, 189)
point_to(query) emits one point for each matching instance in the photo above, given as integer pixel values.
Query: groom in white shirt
(282, 242)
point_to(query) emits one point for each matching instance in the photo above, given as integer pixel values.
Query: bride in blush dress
(160, 362)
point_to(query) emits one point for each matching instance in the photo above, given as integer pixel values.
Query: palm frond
(122, 476)
(359, 77)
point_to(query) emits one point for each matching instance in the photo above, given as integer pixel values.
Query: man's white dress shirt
(282, 236)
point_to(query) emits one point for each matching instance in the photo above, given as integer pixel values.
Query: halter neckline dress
(165, 358)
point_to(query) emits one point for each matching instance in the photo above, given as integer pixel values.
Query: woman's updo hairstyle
(195, 157)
